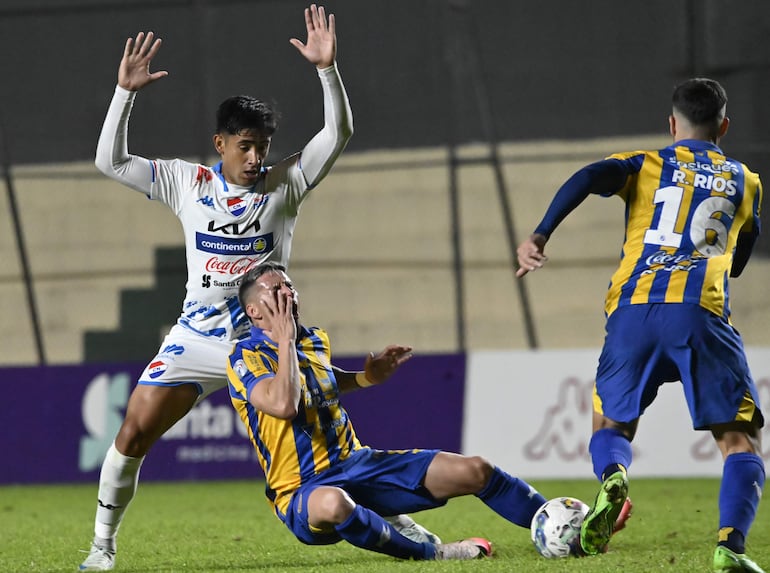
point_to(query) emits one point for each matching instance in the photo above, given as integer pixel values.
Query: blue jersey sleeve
(743, 248)
(605, 178)
(747, 237)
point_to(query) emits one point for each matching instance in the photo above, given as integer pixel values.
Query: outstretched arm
(320, 49)
(112, 157)
(377, 368)
(601, 178)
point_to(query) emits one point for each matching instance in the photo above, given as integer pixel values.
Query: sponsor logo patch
(234, 246)
(203, 174)
(173, 349)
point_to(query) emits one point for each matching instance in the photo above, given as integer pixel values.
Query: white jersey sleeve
(322, 151)
(112, 156)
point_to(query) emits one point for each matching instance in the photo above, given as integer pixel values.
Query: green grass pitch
(227, 526)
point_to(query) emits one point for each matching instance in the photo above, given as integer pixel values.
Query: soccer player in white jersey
(235, 216)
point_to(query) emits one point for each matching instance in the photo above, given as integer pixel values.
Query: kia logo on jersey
(236, 205)
(156, 368)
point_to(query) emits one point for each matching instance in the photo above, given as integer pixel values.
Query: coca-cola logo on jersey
(234, 267)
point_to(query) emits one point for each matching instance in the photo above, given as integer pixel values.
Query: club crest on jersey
(156, 369)
(236, 206)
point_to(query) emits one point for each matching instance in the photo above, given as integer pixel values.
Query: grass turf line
(211, 527)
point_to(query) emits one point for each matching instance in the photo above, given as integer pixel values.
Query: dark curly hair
(238, 113)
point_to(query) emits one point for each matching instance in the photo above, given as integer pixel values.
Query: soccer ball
(556, 527)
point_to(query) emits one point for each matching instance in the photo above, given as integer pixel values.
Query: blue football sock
(367, 530)
(512, 498)
(743, 477)
(609, 447)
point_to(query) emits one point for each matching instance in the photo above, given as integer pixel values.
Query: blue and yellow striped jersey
(292, 451)
(692, 216)
(685, 208)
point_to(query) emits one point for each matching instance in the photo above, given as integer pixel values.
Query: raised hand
(321, 45)
(134, 71)
(380, 367)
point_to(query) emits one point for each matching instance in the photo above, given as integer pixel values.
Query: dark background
(418, 72)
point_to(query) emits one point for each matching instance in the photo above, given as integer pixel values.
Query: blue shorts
(389, 482)
(649, 344)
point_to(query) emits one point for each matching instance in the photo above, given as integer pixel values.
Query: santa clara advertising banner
(59, 421)
(527, 411)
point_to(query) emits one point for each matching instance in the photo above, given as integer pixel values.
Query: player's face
(243, 155)
(276, 283)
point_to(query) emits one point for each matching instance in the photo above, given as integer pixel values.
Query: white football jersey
(228, 230)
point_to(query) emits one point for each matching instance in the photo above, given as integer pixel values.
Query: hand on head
(277, 310)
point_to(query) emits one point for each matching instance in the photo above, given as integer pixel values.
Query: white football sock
(117, 485)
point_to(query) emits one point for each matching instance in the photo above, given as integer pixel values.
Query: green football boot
(598, 525)
(726, 561)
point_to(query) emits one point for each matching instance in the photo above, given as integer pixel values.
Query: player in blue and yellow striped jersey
(692, 217)
(322, 483)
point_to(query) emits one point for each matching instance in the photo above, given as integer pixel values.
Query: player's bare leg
(151, 411)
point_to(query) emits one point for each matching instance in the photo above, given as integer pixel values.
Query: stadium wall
(372, 256)
(528, 412)
(420, 74)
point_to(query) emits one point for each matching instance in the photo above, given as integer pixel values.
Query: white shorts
(185, 357)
